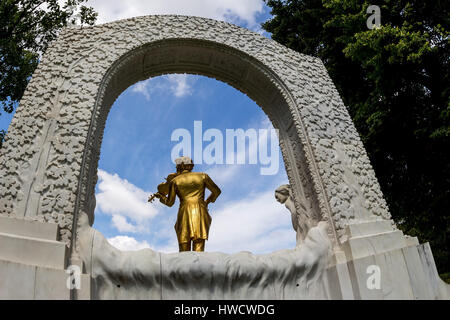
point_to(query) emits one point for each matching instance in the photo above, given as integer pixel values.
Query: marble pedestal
(33, 262)
(33, 265)
(406, 268)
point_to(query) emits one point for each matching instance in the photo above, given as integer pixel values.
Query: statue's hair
(184, 163)
(183, 160)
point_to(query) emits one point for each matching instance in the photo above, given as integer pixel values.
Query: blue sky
(136, 148)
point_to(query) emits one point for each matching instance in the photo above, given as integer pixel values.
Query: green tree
(27, 29)
(394, 80)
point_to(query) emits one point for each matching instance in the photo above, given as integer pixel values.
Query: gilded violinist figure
(193, 220)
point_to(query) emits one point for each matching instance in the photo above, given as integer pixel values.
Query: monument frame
(57, 130)
(48, 163)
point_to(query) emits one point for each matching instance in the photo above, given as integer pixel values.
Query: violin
(163, 188)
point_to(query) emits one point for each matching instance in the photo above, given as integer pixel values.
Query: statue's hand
(152, 197)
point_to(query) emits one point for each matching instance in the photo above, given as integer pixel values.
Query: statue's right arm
(170, 199)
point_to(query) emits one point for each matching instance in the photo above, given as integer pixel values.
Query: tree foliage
(27, 29)
(394, 80)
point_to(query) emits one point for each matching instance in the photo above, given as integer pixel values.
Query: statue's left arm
(170, 199)
(215, 190)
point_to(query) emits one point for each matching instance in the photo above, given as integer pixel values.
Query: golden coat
(193, 219)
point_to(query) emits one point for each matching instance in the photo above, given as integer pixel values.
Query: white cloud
(128, 243)
(143, 88)
(121, 224)
(121, 199)
(257, 224)
(228, 10)
(170, 247)
(179, 85)
(221, 174)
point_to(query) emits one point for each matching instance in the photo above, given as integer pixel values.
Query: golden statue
(193, 221)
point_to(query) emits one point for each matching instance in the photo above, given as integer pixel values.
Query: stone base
(30, 229)
(408, 273)
(25, 282)
(33, 263)
(374, 237)
(406, 269)
(34, 268)
(32, 243)
(33, 251)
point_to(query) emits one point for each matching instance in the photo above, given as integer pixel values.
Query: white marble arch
(49, 160)
(50, 157)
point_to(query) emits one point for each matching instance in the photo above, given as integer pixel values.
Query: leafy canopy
(27, 29)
